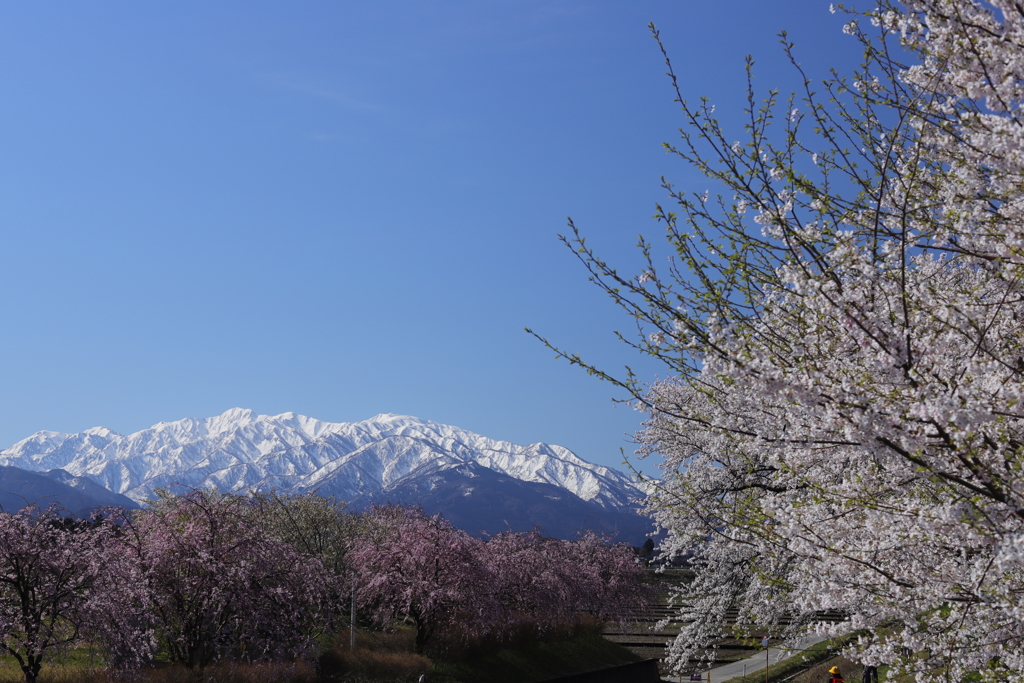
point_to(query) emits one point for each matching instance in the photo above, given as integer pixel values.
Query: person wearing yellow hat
(837, 677)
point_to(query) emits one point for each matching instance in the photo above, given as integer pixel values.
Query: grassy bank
(533, 662)
(377, 658)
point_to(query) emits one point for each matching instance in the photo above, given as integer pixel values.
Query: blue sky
(342, 209)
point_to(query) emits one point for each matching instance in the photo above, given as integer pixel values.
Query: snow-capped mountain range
(240, 450)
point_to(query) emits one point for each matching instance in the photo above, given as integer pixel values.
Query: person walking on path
(870, 674)
(837, 677)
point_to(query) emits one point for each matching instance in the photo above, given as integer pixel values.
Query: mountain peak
(238, 415)
(100, 431)
(396, 417)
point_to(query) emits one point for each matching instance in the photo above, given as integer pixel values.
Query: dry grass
(51, 674)
(222, 673)
(377, 657)
(229, 672)
(456, 645)
(851, 671)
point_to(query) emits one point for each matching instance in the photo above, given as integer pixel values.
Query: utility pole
(765, 641)
(352, 621)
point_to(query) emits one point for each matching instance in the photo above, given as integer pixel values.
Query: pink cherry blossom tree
(550, 581)
(215, 583)
(412, 566)
(58, 586)
(844, 326)
(422, 568)
(609, 581)
(531, 578)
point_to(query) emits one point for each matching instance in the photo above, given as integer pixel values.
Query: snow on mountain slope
(240, 450)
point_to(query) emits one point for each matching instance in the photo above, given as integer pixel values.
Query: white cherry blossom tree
(843, 426)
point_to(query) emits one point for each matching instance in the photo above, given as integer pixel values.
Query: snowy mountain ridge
(241, 450)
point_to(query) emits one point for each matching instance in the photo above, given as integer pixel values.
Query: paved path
(755, 663)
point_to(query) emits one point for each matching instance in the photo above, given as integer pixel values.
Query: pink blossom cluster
(60, 582)
(216, 584)
(421, 568)
(194, 577)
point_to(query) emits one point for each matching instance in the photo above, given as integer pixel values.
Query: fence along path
(641, 638)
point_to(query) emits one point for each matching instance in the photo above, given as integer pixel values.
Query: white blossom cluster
(845, 426)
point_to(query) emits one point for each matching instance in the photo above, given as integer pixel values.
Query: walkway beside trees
(743, 667)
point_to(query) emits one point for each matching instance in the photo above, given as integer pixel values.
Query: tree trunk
(31, 668)
(423, 634)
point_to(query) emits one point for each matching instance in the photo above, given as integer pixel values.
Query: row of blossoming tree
(198, 577)
(844, 326)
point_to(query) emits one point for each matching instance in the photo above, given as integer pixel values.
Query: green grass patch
(532, 662)
(71, 666)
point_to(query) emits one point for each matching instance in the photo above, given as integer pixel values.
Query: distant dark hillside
(78, 495)
(478, 499)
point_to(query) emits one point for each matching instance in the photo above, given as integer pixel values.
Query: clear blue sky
(342, 209)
